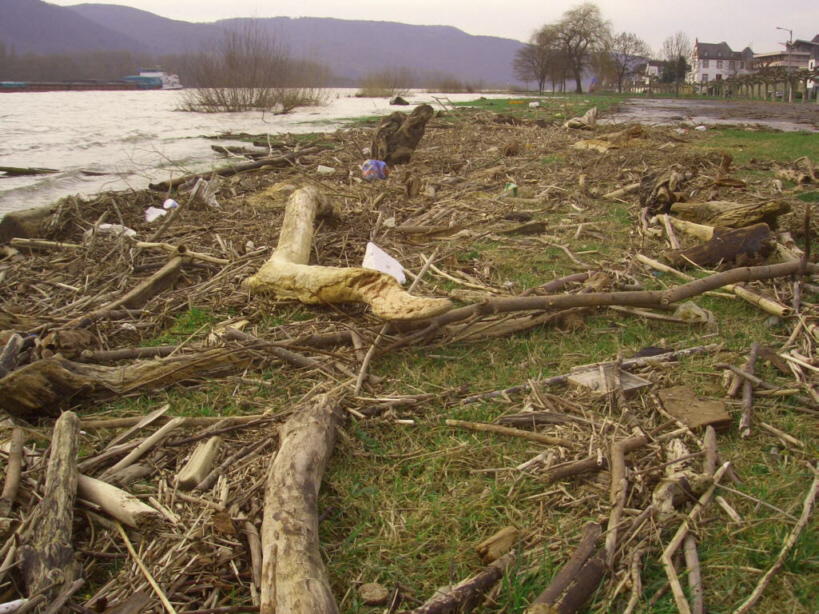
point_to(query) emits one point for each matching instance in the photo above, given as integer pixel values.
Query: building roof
(720, 51)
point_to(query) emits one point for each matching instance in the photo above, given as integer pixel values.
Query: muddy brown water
(776, 115)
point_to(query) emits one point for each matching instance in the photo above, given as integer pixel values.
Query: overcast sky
(738, 22)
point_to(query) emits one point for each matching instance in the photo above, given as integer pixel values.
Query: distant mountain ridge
(351, 49)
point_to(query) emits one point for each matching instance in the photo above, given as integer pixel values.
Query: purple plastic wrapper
(374, 169)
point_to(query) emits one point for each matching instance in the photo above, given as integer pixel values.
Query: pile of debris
(219, 514)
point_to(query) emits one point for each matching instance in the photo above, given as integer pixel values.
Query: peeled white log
(199, 464)
(287, 275)
(117, 503)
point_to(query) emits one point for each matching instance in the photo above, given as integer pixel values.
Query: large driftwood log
(287, 275)
(293, 579)
(43, 387)
(730, 215)
(742, 246)
(47, 560)
(398, 135)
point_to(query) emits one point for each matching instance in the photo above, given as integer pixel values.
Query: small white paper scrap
(152, 213)
(379, 260)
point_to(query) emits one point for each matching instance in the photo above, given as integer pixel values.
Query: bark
(398, 135)
(749, 245)
(465, 595)
(567, 573)
(13, 471)
(199, 464)
(47, 560)
(730, 215)
(294, 579)
(288, 276)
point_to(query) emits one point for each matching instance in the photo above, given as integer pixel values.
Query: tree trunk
(294, 580)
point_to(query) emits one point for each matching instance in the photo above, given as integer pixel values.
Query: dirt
(786, 117)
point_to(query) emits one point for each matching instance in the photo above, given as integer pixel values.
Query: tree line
(582, 43)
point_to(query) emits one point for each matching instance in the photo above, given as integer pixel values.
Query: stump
(398, 135)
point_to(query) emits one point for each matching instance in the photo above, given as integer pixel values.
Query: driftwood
(465, 595)
(567, 573)
(398, 135)
(10, 353)
(199, 464)
(25, 223)
(119, 504)
(285, 160)
(17, 171)
(43, 387)
(293, 577)
(494, 547)
(742, 246)
(13, 469)
(287, 275)
(47, 560)
(719, 213)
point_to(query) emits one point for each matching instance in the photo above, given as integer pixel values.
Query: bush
(386, 83)
(249, 70)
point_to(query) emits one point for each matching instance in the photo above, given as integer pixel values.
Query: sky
(740, 23)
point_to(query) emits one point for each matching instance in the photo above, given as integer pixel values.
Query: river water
(102, 141)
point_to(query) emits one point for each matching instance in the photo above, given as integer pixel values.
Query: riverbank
(493, 208)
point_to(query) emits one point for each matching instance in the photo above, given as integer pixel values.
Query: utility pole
(788, 46)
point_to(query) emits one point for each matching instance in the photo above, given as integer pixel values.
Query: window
(705, 77)
(731, 64)
(705, 63)
(719, 77)
(719, 63)
(742, 65)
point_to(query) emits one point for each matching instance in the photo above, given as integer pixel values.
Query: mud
(772, 115)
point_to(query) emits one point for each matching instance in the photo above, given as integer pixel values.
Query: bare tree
(249, 70)
(540, 59)
(676, 50)
(626, 53)
(582, 33)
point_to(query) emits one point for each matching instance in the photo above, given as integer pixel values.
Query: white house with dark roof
(717, 61)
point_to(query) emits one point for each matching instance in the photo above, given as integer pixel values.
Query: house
(786, 59)
(717, 61)
(804, 46)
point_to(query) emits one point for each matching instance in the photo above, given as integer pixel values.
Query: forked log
(287, 275)
(47, 560)
(294, 579)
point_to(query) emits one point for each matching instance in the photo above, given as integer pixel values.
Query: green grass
(745, 145)
(552, 107)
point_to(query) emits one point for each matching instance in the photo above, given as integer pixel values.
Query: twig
(790, 541)
(748, 394)
(505, 430)
(144, 570)
(692, 562)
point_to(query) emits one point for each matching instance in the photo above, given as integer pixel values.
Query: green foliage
(747, 145)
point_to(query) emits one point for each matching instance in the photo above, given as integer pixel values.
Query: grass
(746, 145)
(552, 107)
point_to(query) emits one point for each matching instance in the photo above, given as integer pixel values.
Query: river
(101, 141)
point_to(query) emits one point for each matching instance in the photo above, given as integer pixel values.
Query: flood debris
(250, 302)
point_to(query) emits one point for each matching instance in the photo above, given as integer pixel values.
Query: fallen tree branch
(293, 577)
(464, 596)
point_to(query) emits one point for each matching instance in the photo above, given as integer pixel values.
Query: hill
(349, 48)
(33, 26)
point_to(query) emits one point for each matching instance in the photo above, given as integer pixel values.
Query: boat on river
(156, 79)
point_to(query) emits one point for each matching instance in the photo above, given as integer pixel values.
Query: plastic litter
(170, 204)
(374, 169)
(110, 229)
(701, 128)
(154, 213)
(325, 170)
(510, 189)
(534, 105)
(379, 260)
